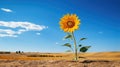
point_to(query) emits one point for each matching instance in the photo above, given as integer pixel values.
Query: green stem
(75, 46)
(72, 49)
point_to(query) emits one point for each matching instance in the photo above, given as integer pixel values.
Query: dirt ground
(99, 59)
(58, 63)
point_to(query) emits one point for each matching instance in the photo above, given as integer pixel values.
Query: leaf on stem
(84, 49)
(68, 36)
(83, 39)
(67, 45)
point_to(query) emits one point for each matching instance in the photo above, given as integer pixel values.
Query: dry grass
(101, 59)
(112, 56)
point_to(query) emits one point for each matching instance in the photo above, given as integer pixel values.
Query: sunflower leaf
(67, 45)
(68, 36)
(84, 48)
(83, 39)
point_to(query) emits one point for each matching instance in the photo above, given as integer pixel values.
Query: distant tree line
(2, 52)
(19, 52)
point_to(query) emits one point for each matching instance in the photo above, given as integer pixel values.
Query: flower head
(69, 23)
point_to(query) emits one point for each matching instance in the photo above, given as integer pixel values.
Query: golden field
(36, 59)
(114, 56)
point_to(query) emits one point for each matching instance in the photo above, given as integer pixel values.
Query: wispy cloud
(13, 29)
(37, 33)
(7, 32)
(6, 10)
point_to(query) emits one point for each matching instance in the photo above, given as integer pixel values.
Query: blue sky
(39, 22)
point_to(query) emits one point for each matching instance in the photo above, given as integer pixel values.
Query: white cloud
(6, 10)
(25, 25)
(20, 31)
(7, 35)
(37, 33)
(20, 28)
(7, 32)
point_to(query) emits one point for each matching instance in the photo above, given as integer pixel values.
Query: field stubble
(101, 59)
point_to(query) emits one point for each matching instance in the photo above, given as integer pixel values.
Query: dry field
(32, 59)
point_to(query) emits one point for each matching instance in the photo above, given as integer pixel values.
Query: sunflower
(69, 23)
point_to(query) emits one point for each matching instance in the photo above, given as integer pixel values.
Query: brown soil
(58, 63)
(101, 59)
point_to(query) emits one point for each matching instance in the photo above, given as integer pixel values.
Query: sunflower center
(70, 24)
